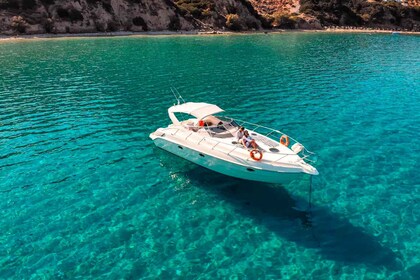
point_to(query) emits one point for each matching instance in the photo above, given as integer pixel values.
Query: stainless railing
(270, 133)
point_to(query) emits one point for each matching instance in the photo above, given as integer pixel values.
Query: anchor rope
(310, 193)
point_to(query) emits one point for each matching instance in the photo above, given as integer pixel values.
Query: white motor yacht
(211, 141)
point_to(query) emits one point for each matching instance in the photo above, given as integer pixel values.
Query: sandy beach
(368, 30)
(6, 38)
(98, 34)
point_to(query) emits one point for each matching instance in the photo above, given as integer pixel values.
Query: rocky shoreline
(6, 38)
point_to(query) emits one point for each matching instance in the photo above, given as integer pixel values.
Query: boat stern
(157, 134)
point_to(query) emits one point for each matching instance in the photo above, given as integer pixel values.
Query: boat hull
(225, 167)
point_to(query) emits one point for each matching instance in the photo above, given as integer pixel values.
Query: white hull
(237, 170)
(214, 143)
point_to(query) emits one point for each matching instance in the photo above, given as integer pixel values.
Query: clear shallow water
(84, 193)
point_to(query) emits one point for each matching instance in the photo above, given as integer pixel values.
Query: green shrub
(233, 22)
(19, 24)
(306, 7)
(284, 21)
(197, 8)
(206, 13)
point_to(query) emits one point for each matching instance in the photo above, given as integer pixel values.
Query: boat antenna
(177, 95)
(180, 97)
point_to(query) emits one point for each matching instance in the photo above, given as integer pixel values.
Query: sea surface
(84, 194)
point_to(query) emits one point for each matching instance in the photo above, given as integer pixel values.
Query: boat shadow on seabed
(333, 237)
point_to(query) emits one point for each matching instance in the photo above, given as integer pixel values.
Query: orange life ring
(200, 123)
(284, 140)
(256, 155)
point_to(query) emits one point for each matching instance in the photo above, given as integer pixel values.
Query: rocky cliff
(86, 16)
(371, 13)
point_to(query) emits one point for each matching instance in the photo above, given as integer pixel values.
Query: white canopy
(198, 110)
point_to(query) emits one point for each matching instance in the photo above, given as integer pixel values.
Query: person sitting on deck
(240, 134)
(247, 140)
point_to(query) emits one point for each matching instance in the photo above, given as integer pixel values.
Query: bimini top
(198, 110)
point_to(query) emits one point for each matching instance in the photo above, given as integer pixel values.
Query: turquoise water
(85, 194)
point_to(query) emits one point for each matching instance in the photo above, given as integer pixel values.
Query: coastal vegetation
(386, 14)
(85, 16)
(196, 8)
(233, 22)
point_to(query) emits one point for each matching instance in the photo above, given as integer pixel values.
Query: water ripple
(85, 193)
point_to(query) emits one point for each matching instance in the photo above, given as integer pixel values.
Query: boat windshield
(220, 127)
(229, 121)
(215, 126)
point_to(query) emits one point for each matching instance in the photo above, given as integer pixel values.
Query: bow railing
(277, 137)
